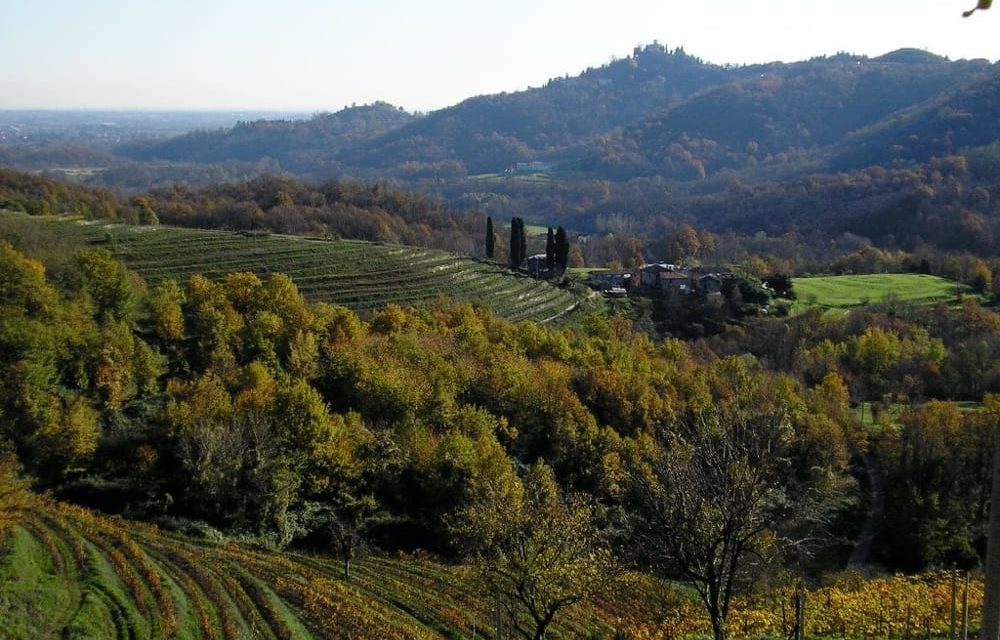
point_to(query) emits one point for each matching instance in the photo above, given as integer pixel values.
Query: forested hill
(945, 125)
(488, 133)
(268, 203)
(656, 112)
(787, 114)
(297, 144)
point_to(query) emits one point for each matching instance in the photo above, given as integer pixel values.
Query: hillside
(777, 115)
(298, 145)
(489, 133)
(481, 134)
(960, 118)
(626, 118)
(238, 406)
(68, 573)
(358, 275)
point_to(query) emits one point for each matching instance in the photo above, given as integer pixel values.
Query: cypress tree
(515, 243)
(550, 250)
(561, 249)
(490, 239)
(522, 243)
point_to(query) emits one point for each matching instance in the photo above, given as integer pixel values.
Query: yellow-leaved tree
(538, 549)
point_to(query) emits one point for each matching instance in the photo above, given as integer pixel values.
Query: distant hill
(777, 115)
(299, 145)
(963, 117)
(656, 112)
(488, 133)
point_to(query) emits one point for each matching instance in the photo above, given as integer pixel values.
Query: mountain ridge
(660, 97)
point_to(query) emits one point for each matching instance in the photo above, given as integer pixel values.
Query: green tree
(349, 517)
(684, 244)
(146, 214)
(13, 490)
(166, 304)
(539, 549)
(991, 598)
(518, 243)
(107, 282)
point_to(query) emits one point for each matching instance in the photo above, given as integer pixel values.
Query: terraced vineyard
(359, 275)
(67, 573)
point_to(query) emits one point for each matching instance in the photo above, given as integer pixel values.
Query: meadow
(846, 292)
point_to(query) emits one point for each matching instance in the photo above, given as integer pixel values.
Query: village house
(615, 278)
(675, 281)
(649, 275)
(710, 284)
(537, 266)
(663, 278)
(529, 167)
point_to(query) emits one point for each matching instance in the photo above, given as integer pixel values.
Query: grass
(891, 412)
(847, 292)
(968, 405)
(356, 274)
(531, 230)
(35, 596)
(501, 178)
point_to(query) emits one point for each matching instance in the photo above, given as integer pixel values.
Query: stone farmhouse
(661, 278)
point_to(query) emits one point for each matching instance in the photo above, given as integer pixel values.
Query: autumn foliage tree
(539, 549)
(713, 496)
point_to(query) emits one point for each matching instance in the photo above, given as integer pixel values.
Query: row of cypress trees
(556, 245)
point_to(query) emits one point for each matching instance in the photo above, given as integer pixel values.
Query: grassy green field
(890, 413)
(846, 292)
(501, 178)
(359, 275)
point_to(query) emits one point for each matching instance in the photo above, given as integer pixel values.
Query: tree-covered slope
(489, 133)
(962, 117)
(776, 116)
(637, 116)
(298, 145)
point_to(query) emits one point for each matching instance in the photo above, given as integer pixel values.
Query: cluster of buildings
(529, 167)
(661, 278)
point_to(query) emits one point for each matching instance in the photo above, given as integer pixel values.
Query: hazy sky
(323, 55)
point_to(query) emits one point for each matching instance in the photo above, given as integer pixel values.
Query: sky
(314, 55)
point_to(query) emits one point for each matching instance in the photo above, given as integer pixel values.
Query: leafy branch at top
(982, 4)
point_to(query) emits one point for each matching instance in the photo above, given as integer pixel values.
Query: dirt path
(876, 487)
